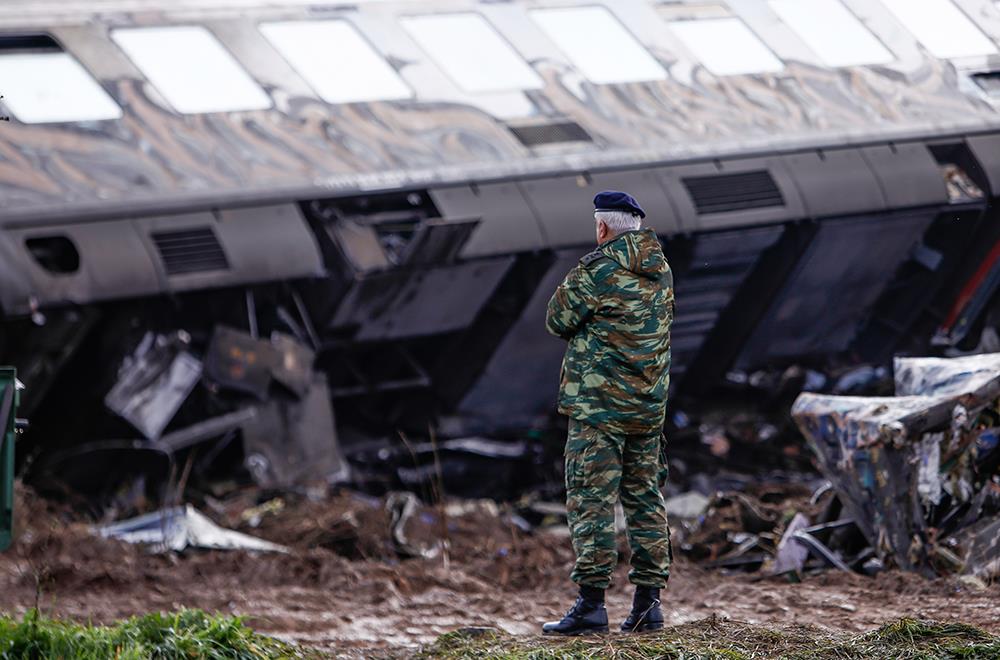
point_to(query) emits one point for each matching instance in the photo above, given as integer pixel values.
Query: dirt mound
(479, 536)
(338, 594)
(332, 542)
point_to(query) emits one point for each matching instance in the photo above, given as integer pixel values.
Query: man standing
(615, 309)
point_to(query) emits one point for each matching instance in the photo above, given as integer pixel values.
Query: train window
(41, 83)
(472, 53)
(726, 46)
(833, 32)
(191, 69)
(941, 27)
(336, 61)
(598, 44)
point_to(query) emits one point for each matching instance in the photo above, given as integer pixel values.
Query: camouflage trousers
(600, 468)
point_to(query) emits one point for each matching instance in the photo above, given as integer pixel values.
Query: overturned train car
(228, 221)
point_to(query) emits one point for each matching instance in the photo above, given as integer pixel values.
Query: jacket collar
(617, 236)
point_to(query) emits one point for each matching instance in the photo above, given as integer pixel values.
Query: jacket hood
(638, 252)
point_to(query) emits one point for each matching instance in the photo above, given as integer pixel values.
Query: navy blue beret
(613, 200)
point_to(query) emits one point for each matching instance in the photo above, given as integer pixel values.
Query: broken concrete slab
(291, 442)
(153, 382)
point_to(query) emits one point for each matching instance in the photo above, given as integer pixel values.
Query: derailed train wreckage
(918, 473)
(180, 268)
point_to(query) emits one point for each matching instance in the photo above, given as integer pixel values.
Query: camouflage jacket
(615, 309)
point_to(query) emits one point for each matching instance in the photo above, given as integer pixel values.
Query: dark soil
(344, 586)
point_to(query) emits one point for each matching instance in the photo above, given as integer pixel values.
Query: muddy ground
(344, 589)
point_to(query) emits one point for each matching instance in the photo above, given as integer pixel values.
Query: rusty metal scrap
(918, 471)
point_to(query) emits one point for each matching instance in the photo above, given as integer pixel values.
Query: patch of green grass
(187, 634)
(715, 639)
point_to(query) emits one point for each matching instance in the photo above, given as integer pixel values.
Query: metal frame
(9, 397)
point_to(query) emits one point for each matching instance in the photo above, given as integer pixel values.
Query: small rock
(973, 582)
(687, 506)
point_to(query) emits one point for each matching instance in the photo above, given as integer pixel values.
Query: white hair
(618, 221)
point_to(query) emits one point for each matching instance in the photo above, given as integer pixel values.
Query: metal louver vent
(552, 133)
(194, 250)
(720, 193)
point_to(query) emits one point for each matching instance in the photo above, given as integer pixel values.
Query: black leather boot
(586, 617)
(645, 614)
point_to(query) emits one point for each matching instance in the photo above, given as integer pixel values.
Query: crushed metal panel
(294, 442)
(183, 527)
(359, 244)
(153, 383)
(236, 360)
(719, 265)
(206, 429)
(790, 555)
(944, 376)
(982, 557)
(874, 480)
(875, 450)
(437, 242)
(520, 382)
(809, 317)
(413, 303)
(293, 366)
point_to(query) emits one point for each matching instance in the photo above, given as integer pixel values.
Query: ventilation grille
(554, 133)
(190, 251)
(733, 192)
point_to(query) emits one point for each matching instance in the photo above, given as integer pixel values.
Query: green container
(9, 399)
